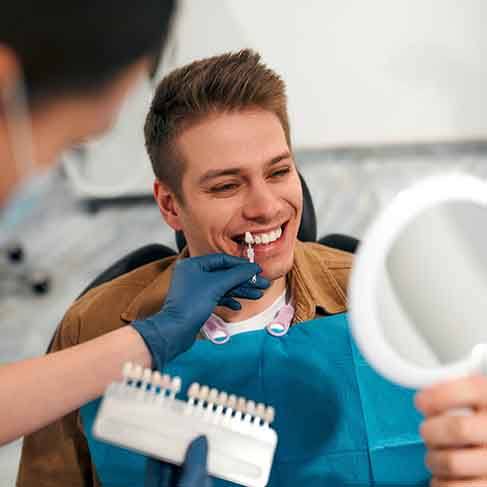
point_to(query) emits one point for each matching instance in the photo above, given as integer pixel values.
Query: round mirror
(418, 289)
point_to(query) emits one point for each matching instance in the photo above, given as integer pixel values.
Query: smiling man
(239, 176)
(219, 141)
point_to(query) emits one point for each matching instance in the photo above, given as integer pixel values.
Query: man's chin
(273, 272)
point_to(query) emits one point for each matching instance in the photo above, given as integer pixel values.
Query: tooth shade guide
(131, 413)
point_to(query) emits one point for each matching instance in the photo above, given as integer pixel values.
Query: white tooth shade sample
(248, 238)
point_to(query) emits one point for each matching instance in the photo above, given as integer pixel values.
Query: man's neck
(250, 307)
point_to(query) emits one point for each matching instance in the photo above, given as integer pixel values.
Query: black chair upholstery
(307, 227)
(137, 258)
(340, 242)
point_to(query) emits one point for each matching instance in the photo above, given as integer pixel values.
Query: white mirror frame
(370, 262)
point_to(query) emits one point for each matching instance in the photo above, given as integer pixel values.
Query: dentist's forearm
(38, 391)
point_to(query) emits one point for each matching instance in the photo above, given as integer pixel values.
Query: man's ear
(168, 206)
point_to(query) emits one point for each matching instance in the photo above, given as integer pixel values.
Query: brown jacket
(58, 454)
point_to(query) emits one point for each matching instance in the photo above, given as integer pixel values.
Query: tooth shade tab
(222, 398)
(137, 372)
(194, 390)
(232, 401)
(204, 392)
(213, 396)
(176, 385)
(248, 238)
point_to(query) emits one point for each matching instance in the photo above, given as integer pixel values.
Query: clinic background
(380, 94)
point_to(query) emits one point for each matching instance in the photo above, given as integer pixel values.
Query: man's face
(240, 177)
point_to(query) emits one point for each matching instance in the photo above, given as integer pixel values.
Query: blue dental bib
(339, 423)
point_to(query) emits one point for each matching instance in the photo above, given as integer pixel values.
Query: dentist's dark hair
(74, 47)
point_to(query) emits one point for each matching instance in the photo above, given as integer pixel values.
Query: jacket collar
(150, 300)
(313, 287)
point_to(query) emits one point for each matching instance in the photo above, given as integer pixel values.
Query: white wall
(357, 72)
(375, 71)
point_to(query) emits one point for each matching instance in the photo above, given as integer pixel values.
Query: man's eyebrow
(279, 158)
(235, 171)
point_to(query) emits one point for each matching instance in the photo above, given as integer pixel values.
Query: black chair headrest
(341, 242)
(307, 228)
(133, 260)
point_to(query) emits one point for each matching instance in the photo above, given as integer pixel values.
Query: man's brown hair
(229, 82)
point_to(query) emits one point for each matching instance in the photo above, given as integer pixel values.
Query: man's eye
(224, 187)
(280, 172)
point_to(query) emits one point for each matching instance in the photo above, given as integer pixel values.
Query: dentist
(65, 68)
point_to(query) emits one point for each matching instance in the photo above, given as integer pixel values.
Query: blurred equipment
(15, 271)
(418, 286)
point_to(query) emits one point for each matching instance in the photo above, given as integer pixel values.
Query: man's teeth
(263, 238)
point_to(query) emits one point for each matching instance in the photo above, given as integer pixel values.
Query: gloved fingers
(235, 277)
(229, 302)
(159, 474)
(216, 262)
(245, 293)
(260, 283)
(195, 473)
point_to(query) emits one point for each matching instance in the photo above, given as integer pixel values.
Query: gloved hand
(198, 285)
(193, 473)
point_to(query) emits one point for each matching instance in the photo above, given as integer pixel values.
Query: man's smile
(265, 242)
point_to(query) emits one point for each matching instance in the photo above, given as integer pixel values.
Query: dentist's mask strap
(13, 99)
(31, 183)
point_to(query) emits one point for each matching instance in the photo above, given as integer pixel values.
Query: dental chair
(341, 242)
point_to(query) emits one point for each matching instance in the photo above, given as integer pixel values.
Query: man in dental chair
(218, 138)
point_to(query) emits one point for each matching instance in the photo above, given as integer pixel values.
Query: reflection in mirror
(432, 290)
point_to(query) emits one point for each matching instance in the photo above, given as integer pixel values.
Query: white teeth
(263, 238)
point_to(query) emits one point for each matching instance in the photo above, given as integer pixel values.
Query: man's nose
(261, 203)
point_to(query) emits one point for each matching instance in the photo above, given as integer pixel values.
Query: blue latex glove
(193, 473)
(198, 285)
